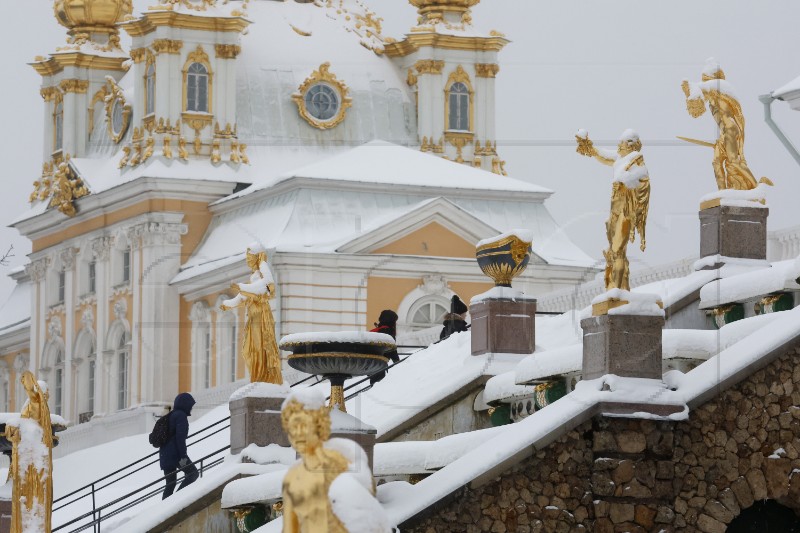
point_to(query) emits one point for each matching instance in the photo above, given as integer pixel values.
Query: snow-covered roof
(784, 90)
(16, 311)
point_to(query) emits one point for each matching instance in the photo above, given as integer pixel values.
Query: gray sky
(602, 65)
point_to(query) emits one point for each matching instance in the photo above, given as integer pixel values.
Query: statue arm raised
(237, 301)
(587, 148)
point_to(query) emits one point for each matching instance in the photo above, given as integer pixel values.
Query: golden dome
(87, 16)
(443, 5)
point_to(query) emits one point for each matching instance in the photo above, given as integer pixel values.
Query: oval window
(117, 119)
(322, 102)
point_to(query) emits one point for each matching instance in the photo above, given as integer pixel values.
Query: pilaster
(67, 259)
(101, 250)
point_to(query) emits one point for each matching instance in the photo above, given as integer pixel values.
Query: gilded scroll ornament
(118, 111)
(322, 99)
(31, 469)
(67, 187)
(630, 202)
(730, 167)
(259, 347)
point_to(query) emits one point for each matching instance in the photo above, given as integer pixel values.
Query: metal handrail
(97, 512)
(139, 461)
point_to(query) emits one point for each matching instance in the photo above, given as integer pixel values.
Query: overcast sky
(602, 65)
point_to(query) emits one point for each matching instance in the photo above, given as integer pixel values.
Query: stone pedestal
(734, 232)
(625, 345)
(5, 516)
(257, 421)
(501, 325)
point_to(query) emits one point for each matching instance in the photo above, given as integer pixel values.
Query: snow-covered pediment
(435, 227)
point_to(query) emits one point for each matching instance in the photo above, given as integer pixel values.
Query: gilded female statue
(730, 167)
(630, 201)
(306, 505)
(31, 460)
(259, 348)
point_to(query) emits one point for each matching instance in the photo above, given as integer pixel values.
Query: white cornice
(122, 196)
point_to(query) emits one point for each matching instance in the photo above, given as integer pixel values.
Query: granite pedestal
(257, 421)
(733, 231)
(502, 325)
(5, 516)
(624, 345)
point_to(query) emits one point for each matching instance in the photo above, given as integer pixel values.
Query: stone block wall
(633, 475)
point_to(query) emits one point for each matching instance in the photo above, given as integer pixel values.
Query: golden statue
(306, 505)
(259, 348)
(31, 461)
(630, 202)
(730, 167)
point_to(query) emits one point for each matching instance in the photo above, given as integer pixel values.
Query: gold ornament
(116, 97)
(137, 154)
(149, 146)
(183, 153)
(629, 205)
(166, 151)
(306, 505)
(730, 167)
(243, 155)
(32, 483)
(126, 150)
(216, 157)
(259, 347)
(66, 188)
(91, 16)
(235, 152)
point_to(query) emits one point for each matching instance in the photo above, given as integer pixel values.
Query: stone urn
(505, 257)
(338, 356)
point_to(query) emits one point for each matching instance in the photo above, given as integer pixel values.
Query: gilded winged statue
(630, 202)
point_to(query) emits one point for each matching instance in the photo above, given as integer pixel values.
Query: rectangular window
(126, 265)
(62, 280)
(207, 357)
(92, 276)
(233, 352)
(59, 384)
(122, 397)
(91, 386)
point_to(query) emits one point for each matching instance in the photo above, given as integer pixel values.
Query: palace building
(368, 168)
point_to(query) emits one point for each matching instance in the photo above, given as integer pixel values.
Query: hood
(184, 402)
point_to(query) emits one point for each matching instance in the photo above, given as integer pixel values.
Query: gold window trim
(150, 61)
(323, 76)
(116, 95)
(197, 56)
(459, 75)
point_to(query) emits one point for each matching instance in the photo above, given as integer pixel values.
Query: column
(101, 249)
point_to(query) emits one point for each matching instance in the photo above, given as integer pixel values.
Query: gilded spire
(450, 11)
(91, 16)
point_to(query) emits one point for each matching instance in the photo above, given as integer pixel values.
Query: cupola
(91, 16)
(446, 10)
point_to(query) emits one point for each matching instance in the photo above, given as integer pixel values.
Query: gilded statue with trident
(259, 348)
(730, 167)
(31, 467)
(630, 202)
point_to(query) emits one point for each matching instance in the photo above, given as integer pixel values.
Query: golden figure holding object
(259, 347)
(31, 461)
(730, 167)
(630, 201)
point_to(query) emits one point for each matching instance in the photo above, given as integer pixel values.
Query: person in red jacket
(387, 323)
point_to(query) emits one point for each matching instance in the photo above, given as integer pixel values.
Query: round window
(117, 119)
(322, 102)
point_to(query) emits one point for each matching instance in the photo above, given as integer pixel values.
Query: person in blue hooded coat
(172, 456)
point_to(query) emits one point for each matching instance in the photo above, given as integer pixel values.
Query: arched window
(201, 346)
(427, 312)
(84, 359)
(150, 89)
(58, 126)
(197, 88)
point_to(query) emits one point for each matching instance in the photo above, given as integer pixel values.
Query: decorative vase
(504, 257)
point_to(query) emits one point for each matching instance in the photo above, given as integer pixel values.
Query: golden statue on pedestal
(306, 505)
(630, 201)
(259, 348)
(730, 166)
(31, 461)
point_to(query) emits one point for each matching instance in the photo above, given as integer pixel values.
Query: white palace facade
(368, 168)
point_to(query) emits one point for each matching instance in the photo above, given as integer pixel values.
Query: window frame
(198, 56)
(149, 88)
(459, 76)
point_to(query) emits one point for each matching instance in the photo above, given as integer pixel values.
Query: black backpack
(159, 437)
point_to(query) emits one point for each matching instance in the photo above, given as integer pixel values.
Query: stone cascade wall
(632, 475)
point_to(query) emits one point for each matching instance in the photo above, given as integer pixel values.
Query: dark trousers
(190, 476)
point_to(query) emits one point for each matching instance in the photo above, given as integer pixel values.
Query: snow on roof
(780, 276)
(16, 311)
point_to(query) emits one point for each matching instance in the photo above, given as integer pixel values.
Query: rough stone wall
(632, 475)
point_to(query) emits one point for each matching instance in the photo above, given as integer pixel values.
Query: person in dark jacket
(172, 456)
(454, 321)
(387, 323)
